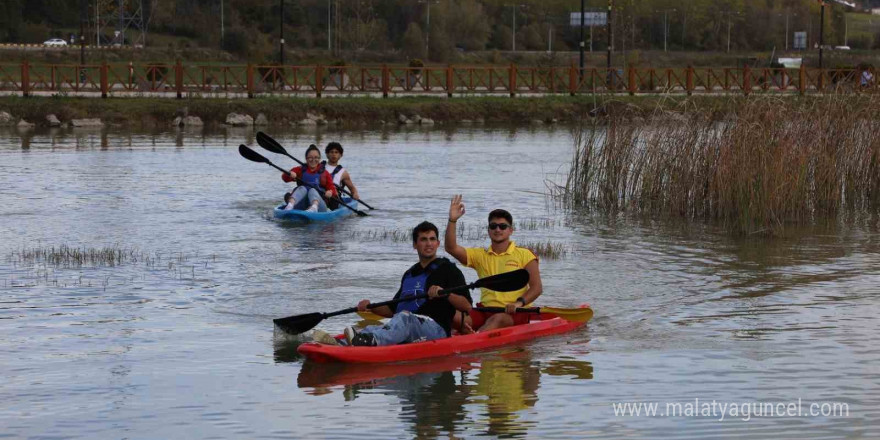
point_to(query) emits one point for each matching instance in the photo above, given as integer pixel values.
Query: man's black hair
(424, 227)
(334, 146)
(500, 213)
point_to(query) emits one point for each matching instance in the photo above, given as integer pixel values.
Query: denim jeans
(406, 327)
(305, 196)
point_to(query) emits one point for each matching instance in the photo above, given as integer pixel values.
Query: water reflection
(446, 396)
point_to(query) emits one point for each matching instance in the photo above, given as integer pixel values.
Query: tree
(470, 25)
(414, 41)
(10, 20)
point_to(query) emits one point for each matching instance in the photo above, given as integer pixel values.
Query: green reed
(469, 235)
(772, 161)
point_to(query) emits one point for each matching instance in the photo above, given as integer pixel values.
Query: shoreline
(362, 111)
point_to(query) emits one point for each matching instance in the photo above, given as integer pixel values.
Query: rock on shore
(239, 120)
(6, 119)
(94, 122)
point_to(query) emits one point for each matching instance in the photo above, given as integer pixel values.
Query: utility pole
(84, 12)
(610, 33)
(582, 38)
(515, 9)
(281, 42)
(427, 28)
(684, 24)
(428, 32)
(729, 25)
(666, 27)
(786, 29)
(329, 32)
(821, 31)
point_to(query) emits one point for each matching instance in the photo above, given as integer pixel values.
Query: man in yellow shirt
(500, 257)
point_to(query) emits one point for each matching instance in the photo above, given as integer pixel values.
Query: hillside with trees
(251, 28)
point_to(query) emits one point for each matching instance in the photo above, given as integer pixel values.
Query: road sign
(590, 19)
(800, 40)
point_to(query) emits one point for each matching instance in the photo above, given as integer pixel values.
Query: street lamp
(281, 44)
(822, 23)
(729, 13)
(513, 8)
(428, 27)
(666, 25)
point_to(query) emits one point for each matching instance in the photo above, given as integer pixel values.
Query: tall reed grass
(772, 162)
(474, 235)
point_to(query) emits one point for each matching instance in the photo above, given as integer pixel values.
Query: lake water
(175, 339)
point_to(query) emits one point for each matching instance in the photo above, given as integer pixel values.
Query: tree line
(436, 29)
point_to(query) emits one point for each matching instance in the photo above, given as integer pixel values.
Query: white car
(55, 42)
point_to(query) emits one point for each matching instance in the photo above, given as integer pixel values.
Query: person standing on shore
(501, 256)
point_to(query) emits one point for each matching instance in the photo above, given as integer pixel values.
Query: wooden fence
(179, 80)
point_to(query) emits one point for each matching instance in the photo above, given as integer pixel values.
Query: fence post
(449, 82)
(747, 80)
(385, 81)
(319, 80)
(512, 80)
(802, 80)
(25, 79)
(689, 81)
(821, 85)
(178, 79)
(250, 80)
(572, 81)
(104, 86)
(631, 80)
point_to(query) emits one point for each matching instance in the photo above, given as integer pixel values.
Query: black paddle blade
(505, 282)
(270, 144)
(295, 325)
(251, 155)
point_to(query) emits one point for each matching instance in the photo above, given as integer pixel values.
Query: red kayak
(533, 325)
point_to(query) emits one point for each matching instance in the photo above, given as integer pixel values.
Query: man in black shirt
(418, 319)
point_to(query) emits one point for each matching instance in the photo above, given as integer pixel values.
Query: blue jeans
(406, 327)
(305, 196)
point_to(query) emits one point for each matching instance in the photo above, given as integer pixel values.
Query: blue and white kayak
(326, 216)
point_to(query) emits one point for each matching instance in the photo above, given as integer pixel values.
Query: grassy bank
(147, 112)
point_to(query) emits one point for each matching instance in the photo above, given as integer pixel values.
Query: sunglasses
(502, 226)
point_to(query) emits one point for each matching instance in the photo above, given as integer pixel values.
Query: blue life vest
(313, 179)
(415, 285)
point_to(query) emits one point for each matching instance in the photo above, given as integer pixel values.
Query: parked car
(841, 47)
(55, 42)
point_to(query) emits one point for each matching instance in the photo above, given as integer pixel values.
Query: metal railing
(179, 80)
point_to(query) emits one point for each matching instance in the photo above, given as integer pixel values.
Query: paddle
(253, 156)
(504, 282)
(580, 314)
(272, 145)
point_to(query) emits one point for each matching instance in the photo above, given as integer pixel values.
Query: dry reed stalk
(773, 162)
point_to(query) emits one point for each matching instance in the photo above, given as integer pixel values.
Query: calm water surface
(176, 340)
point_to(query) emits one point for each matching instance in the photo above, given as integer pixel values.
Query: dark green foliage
(236, 41)
(253, 27)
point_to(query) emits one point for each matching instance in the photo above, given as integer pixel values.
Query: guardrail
(179, 80)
